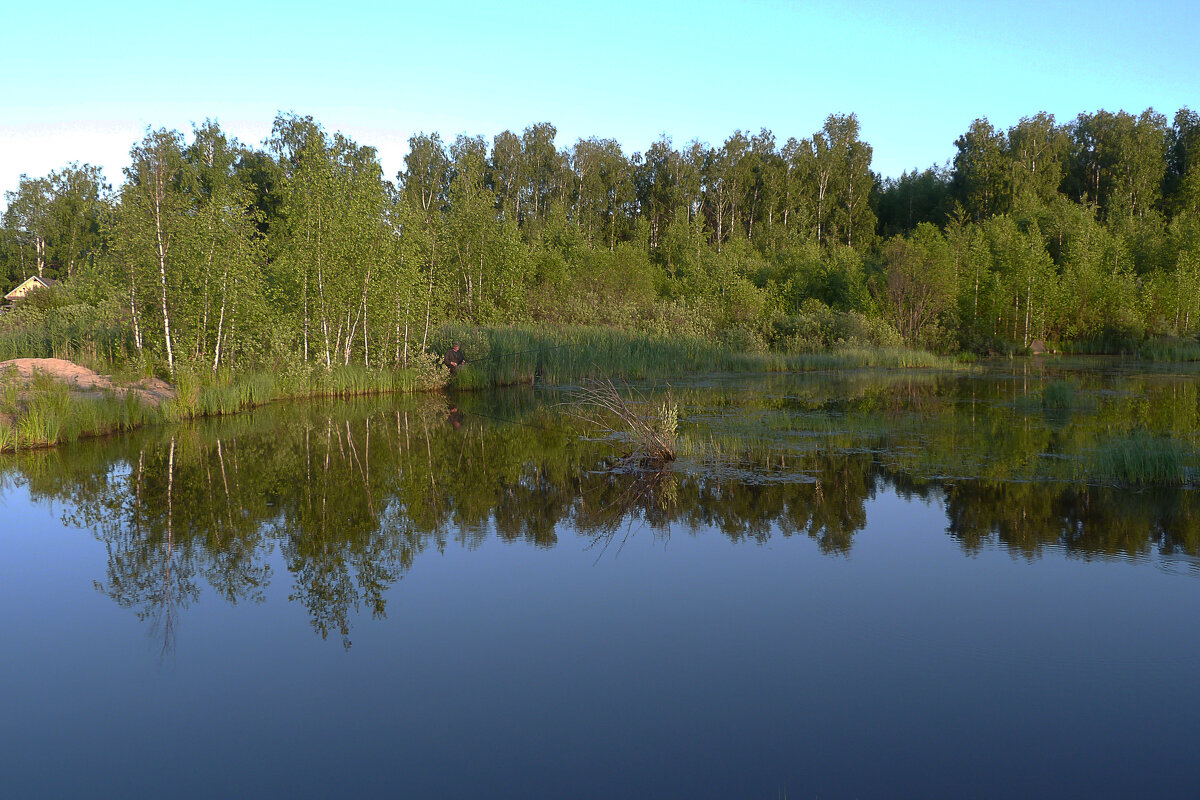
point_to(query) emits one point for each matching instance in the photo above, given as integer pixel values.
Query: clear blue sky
(81, 81)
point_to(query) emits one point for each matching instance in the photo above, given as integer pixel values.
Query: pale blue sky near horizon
(83, 81)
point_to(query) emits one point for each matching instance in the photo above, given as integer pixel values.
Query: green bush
(742, 340)
(817, 328)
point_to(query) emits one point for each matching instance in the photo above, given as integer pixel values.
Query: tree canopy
(215, 252)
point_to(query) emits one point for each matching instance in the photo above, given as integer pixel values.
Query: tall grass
(46, 412)
(228, 393)
(73, 332)
(1059, 394)
(508, 356)
(886, 357)
(1160, 348)
(1170, 349)
(650, 428)
(1056, 396)
(1115, 343)
(1141, 459)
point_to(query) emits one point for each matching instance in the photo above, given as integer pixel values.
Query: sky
(83, 81)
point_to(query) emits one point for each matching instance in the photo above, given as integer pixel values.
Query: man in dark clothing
(455, 358)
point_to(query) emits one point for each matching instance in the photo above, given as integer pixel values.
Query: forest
(215, 254)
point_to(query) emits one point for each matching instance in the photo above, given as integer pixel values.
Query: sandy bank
(149, 390)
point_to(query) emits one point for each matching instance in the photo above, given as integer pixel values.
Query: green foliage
(55, 323)
(558, 356)
(916, 288)
(913, 198)
(45, 412)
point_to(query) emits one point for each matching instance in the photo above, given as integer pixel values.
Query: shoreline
(40, 411)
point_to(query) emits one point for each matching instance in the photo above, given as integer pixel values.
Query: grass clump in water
(1142, 459)
(650, 427)
(1059, 394)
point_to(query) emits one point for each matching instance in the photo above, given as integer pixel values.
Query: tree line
(214, 252)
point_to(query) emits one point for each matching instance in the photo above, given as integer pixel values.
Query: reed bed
(885, 357)
(510, 356)
(1060, 395)
(1173, 349)
(46, 412)
(70, 333)
(1055, 397)
(1141, 459)
(229, 393)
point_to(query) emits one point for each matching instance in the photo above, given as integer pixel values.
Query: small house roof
(29, 283)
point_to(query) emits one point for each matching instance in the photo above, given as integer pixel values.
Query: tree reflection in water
(352, 493)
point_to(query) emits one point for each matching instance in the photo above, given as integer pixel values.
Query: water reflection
(352, 493)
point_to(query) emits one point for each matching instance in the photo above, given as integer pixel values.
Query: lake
(853, 584)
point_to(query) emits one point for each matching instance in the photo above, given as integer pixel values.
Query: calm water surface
(850, 585)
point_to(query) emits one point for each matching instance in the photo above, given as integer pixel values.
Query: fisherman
(455, 358)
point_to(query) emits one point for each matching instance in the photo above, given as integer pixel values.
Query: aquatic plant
(1058, 394)
(650, 427)
(1141, 458)
(886, 357)
(1170, 349)
(496, 357)
(39, 426)
(556, 355)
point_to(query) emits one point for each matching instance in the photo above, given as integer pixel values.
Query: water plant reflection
(353, 493)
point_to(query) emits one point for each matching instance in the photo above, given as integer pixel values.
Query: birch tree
(78, 199)
(28, 217)
(153, 232)
(230, 251)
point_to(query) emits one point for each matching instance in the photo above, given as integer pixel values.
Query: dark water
(853, 585)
